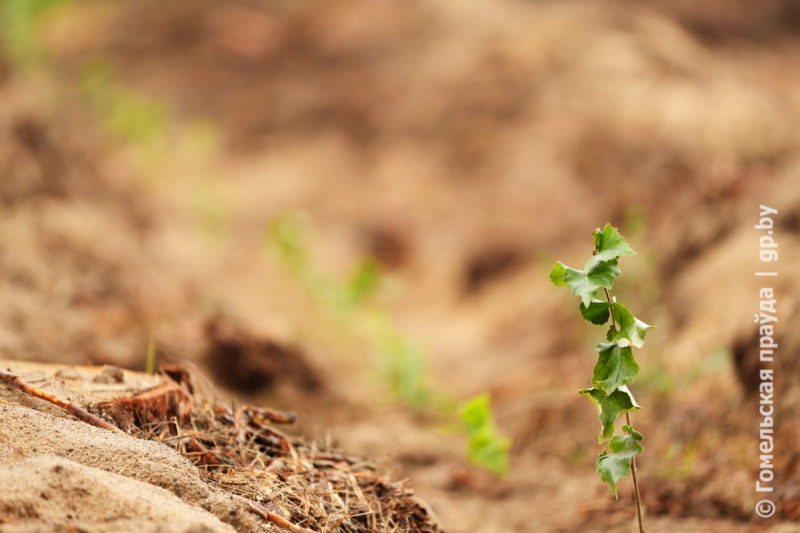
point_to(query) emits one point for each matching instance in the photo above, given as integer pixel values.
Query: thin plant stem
(611, 310)
(633, 459)
(636, 485)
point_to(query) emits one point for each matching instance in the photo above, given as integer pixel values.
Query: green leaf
(614, 466)
(610, 406)
(476, 413)
(599, 271)
(557, 275)
(489, 450)
(615, 367)
(486, 447)
(630, 327)
(584, 283)
(597, 312)
(609, 244)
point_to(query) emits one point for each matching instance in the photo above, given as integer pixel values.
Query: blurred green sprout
(485, 446)
(19, 22)
(129, 116)
(405, 360)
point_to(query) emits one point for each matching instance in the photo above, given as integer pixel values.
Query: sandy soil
(64, 472)
(90, 499)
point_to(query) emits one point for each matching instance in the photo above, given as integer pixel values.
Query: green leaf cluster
(599, 272)
(616, 367)
(630, 328)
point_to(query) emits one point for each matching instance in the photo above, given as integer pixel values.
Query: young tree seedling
(616, 367)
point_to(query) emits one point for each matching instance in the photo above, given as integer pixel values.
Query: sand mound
(55, 490)
(29, 434)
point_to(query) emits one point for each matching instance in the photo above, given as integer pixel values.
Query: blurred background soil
(147, 148)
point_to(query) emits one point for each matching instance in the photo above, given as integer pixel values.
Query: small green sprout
(406, 360)
(485, 446)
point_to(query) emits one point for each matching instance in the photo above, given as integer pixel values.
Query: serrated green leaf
(633, 433)
(599, 271)
(630, 327)
(584, 283)
(557, 275)
(615, 465)
(597, 312)
(615, 367)
(609, 244)
(610, 406)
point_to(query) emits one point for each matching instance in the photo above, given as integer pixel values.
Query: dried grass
(314, 486)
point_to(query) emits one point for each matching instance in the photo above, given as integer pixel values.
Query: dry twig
(15, 381)
(275, 518)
